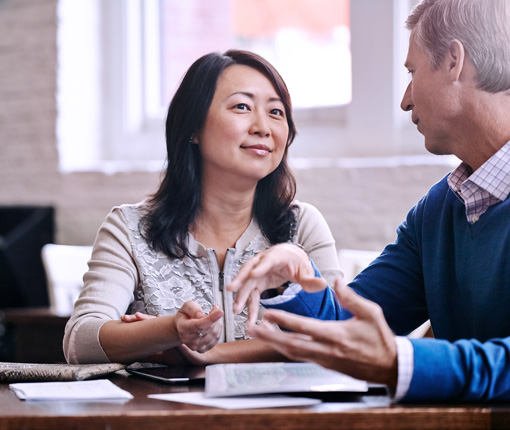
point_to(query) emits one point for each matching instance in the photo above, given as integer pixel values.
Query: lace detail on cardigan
(165, 283)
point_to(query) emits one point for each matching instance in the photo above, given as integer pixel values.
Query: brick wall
(362, 205)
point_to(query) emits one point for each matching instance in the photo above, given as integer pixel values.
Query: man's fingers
(312, 284)
(293, 345)
(305, 327)
(293, 322)
(359, 306)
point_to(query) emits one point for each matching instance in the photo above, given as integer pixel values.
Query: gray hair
(483, 28)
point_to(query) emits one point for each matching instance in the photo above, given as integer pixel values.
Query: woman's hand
(270, 269)
(138, 316)
(196, 330)
(199, 332)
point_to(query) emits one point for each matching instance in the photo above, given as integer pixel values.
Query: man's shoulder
(440, 187)
(438, 197)
(437, 193)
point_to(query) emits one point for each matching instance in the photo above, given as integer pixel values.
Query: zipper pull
(221, 281)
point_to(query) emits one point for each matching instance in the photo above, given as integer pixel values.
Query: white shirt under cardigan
(125, 275)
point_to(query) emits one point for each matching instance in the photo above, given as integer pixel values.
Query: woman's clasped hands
(198, 331)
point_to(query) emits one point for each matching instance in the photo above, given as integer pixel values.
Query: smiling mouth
(258, 149)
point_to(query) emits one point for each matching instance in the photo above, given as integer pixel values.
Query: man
(451, 259)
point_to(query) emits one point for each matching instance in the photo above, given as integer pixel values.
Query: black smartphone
(168, 374)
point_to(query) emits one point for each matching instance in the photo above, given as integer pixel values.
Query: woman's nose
(260, 125)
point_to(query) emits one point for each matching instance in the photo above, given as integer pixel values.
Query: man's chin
(436, 148)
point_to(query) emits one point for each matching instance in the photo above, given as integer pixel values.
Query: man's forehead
(412, 50)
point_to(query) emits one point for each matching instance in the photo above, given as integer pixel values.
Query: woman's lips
(258, 149)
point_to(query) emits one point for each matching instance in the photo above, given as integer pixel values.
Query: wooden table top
(142, 413)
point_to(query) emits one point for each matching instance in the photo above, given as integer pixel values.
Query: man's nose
(407, 102)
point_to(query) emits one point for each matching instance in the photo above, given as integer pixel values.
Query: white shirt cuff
(405, 366)
(288, 294)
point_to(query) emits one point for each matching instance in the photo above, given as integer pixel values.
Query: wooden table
(142, 413)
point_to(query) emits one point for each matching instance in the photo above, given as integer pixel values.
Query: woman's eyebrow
(252, 96)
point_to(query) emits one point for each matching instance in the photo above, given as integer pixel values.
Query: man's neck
(486, 130)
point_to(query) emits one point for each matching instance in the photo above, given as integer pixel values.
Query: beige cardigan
(125, 275)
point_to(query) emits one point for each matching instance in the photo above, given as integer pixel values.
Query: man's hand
(363, 347)
(270, 269)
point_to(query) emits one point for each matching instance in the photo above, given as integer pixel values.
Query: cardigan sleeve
(314, 235)
(107, 293)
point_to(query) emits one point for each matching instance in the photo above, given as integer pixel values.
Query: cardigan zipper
(222, 281)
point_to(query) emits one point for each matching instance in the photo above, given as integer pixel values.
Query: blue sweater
(321, 305)
(457, 274)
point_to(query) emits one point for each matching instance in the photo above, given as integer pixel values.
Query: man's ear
(454, 61)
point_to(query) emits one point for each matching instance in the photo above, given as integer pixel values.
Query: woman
(227, 194)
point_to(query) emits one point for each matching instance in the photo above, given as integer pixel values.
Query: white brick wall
(362, 206)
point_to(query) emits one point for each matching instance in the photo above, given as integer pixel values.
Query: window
(305, 39)
(342, 60)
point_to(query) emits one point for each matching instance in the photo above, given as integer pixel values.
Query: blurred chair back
(353, 261)
(65, 266)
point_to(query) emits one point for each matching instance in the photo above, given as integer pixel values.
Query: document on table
(243, 402)
(99, 389)
(240, 379)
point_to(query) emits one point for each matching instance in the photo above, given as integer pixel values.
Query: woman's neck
(224, 216)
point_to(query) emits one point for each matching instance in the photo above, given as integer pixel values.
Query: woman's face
(245, 131)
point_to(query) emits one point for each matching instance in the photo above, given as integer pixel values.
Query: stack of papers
(263, 385)
(101, 389)
(241, 379)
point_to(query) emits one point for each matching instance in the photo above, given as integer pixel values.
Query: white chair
(65, 266)
(353, 261)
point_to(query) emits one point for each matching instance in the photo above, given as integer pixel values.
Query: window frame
(372, 125)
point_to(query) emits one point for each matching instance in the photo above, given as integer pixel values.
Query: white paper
(245, 402)
(239, 379)
(99, 389)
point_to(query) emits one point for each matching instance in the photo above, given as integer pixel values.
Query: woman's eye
(241, 106)
(278, 112)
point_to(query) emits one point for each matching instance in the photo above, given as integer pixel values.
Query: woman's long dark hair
(176, 204)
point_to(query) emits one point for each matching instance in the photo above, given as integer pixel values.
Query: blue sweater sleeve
(321, 305)
(465, 370)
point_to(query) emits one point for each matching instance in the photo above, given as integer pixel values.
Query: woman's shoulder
(306, 211)
(130, 210)
(127, 215)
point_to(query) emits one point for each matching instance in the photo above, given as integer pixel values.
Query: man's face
(429, 97)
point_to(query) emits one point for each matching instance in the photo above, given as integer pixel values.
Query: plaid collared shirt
(488, 185)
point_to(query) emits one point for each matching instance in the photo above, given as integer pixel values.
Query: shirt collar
(493, 176)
